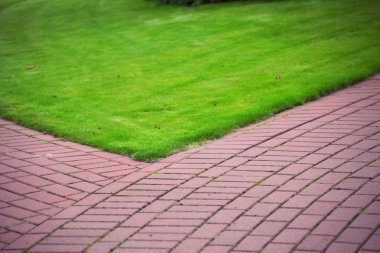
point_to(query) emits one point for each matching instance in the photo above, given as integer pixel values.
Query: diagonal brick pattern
(305, 180)
(45, 181)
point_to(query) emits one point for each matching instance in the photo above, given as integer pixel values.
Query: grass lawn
(136, 78)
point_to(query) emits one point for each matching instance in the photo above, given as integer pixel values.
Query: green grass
(136, 78)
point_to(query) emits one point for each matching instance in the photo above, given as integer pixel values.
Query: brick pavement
(305, 180)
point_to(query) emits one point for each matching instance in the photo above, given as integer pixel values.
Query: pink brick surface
(305, 180)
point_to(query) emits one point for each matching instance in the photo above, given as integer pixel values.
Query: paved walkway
(304, 180)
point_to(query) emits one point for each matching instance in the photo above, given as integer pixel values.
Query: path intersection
(305, 180)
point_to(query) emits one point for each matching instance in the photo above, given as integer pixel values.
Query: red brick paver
(305, 180)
